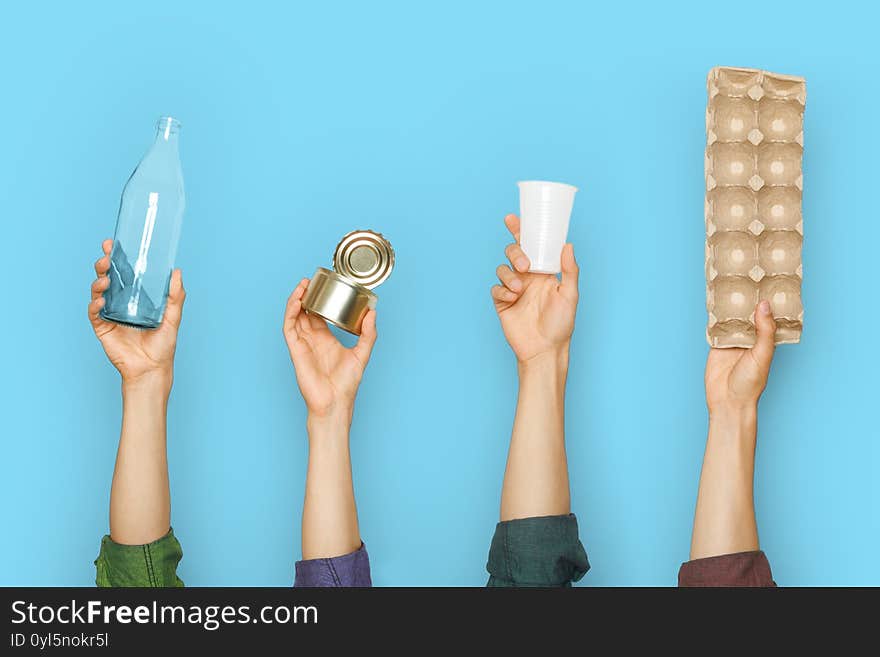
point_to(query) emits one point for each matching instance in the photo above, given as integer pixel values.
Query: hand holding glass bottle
(136, 354)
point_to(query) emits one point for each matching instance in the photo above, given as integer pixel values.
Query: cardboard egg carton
(754, 184)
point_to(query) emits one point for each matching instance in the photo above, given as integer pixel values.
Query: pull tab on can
(362, 260)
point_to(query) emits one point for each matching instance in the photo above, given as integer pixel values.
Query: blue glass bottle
(147, 234)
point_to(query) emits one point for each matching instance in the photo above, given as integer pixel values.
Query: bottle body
(147, 234)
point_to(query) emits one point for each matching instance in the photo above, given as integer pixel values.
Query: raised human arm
(536, 476)
(140, 500)
(724, 521)
(328, 375)
(537, 314)
(536, 543)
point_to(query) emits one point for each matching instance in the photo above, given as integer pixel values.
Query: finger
(512, 223)
(766, 330)
(95, 306)
(510, 280)
(517, 258)
(501, 294)
(303, 325)
(300, 290)
(102, 265)
(367, 339)
(304, 358)
(99, 286)
(317, 323)
(107, 246)
(176, 297)
(570, 274)
(294, 307)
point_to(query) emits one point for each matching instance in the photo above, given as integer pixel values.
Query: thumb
(766, 340)
(367, 339)
(176, 297)
(570, 273)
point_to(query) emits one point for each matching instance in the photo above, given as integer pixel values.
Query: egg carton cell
(784, 294)
(753, 212)
(780, 120)
(736, 82)
(784, 87)
(732, 164)
(779, 252)
(779, 208)
(780, 164)
(730, 208)
(732, 119)
(734, 253)
(732, 297)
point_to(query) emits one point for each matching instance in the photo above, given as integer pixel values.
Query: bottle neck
(165, 142)
(167, 134)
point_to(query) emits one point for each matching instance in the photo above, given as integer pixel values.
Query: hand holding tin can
(545, 210)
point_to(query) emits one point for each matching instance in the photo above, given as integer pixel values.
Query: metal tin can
(362, 260)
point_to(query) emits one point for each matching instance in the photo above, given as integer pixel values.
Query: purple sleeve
(351, 569)
(740, 569)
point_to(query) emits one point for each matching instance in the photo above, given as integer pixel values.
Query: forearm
(724, 522)
(140, 500)
(536, 477)
(329, 521)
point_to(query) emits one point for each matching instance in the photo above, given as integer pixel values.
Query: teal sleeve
(543, 551)
(150, 565)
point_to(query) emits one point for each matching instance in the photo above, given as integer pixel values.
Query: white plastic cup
(544, 211)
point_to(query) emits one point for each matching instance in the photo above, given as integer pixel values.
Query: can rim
(378, 243)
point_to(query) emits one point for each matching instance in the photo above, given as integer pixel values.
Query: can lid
(365, 257)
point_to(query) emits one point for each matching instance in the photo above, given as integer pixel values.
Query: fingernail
(522, 263)
(764, 307)
(515, 284)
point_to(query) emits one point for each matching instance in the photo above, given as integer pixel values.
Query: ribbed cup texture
(545, 210)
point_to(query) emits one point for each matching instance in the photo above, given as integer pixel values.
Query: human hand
(735, 378)
(139, 355)
(328, 374)
(536, 310)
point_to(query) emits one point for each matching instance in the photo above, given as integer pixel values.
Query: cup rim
(549, 183)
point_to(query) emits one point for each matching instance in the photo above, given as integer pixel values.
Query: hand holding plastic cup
(544, 210)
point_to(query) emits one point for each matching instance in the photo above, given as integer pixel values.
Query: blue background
(304, 121)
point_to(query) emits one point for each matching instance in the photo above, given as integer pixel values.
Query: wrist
(551, 362)
(153, 383)
(733, 413)
(332, 425)
(735, 426)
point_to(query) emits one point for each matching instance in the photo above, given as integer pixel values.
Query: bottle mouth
(167, 126)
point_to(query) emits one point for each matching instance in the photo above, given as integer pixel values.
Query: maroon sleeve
(740, 569)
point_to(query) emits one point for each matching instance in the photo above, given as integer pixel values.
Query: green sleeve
(150, 565)
(543, 551)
